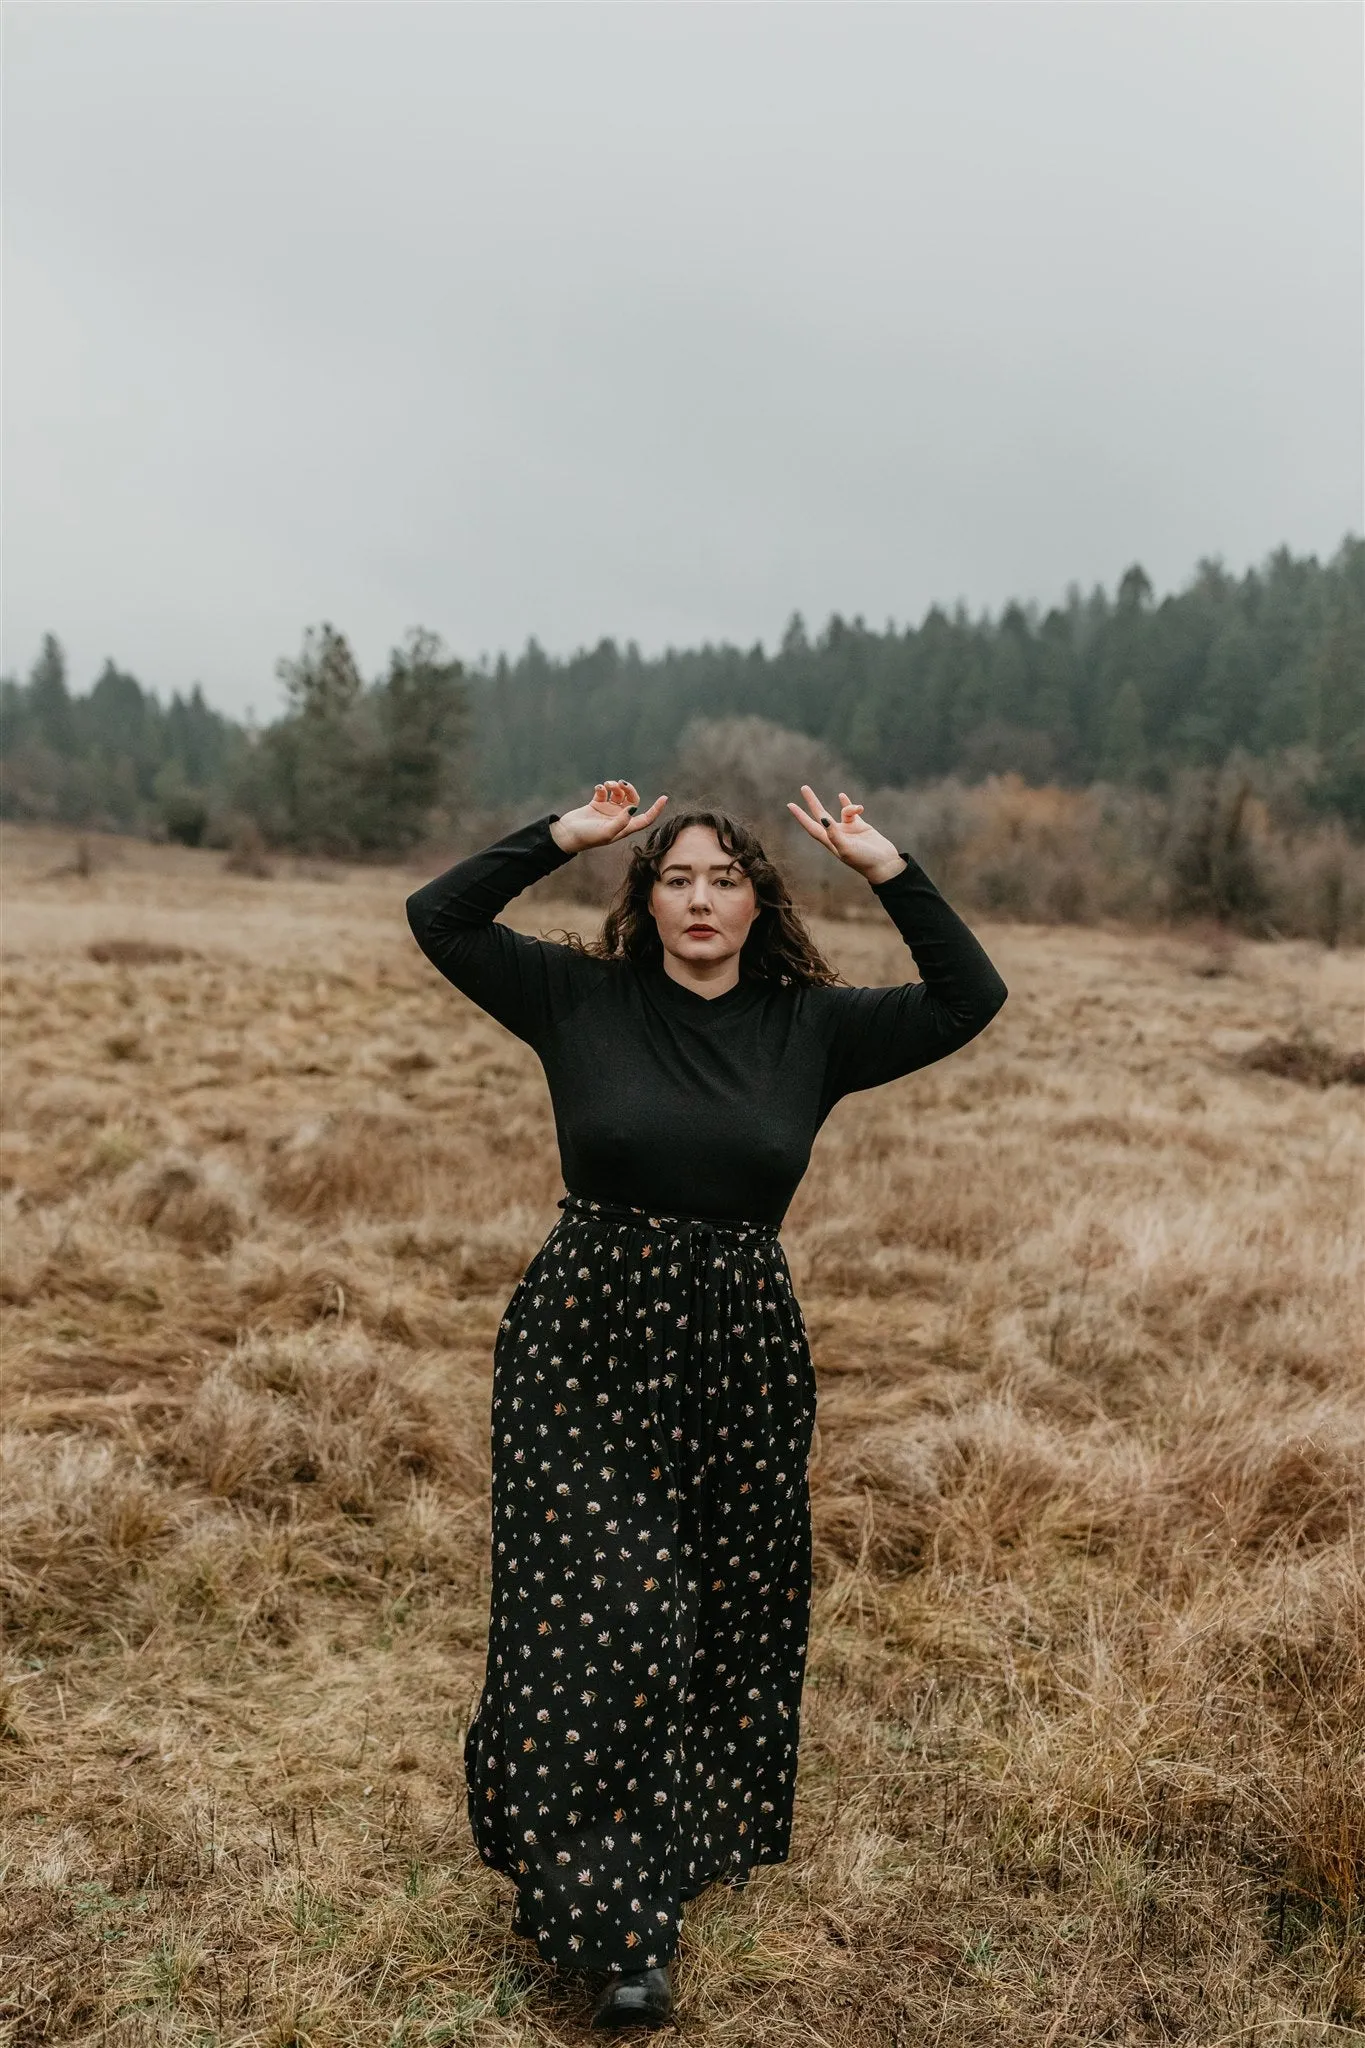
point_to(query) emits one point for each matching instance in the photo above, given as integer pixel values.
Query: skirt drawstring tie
(709, 1238)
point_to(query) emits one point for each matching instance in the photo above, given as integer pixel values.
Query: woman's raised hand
(849, 836)
(614, 813)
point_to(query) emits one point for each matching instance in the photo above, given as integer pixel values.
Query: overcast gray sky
(659, 320)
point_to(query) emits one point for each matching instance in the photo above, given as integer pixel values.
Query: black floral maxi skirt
(636, 1738)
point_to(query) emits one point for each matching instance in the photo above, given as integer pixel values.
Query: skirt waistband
(736, 1230)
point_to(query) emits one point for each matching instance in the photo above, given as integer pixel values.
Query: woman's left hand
(849, 836)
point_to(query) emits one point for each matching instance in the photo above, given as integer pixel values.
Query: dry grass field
(1084, 1749)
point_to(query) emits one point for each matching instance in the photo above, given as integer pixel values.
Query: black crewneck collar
(687, 999)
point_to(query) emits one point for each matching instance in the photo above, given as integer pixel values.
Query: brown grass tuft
(200, 1206)
(357, 1161)
(134, 953)
(329, 1414)
(1307, 1059)
(79, 1519)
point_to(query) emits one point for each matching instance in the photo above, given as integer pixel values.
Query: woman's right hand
(614, 813)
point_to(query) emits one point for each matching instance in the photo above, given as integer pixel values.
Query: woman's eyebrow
(686, 867)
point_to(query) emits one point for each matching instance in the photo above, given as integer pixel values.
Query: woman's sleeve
(882, 1033)
(527, 984)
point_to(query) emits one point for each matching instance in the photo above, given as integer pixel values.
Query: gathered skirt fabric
(636, 1738)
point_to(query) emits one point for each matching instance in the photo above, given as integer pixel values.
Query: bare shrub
(1214, 854)
(1219, 848)
(1316, 879)
(247, 854)
(752, 767)
(1041, 855)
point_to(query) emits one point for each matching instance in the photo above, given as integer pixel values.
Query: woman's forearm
(521, 981)
(469, 895)
(882, 1033)
(960, 980)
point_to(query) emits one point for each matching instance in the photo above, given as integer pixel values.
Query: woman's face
(702, 902)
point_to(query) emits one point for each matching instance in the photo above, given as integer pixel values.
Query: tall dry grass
(1084, 1755)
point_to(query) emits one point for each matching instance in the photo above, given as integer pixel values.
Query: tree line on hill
(116, 757)
(1124, 691)
(351, 768)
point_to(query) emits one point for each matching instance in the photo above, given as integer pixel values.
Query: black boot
(644, 1998)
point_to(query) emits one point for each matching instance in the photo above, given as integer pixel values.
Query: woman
(653, 1394)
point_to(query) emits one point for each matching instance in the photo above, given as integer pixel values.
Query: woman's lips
(702, 931)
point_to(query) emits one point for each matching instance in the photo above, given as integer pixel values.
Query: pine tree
(49, 703)
(323, 683)
(314, 779)
(356, 771)
(424, 716)
(1125, 738)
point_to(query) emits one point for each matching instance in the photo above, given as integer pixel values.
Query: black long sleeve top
(683, 1104)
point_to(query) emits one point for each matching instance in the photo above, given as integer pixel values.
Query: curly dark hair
(778, 948)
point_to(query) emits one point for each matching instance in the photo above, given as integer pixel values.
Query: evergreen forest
(1121, 689)
(1117, 688)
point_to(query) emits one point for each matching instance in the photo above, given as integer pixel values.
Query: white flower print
(668, 1439)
